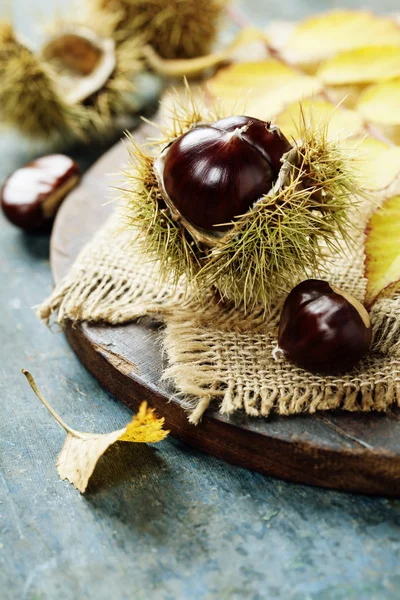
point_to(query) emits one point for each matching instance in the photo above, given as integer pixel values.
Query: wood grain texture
(356, 452)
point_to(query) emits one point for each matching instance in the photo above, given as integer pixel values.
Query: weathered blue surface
(164, 523)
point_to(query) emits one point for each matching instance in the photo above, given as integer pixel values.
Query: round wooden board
(353, 452)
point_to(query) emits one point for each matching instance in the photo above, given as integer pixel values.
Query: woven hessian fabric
(220, 354)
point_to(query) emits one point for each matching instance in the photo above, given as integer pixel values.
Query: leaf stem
(43, 400)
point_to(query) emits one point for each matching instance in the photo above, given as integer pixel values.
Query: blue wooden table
(158, 522)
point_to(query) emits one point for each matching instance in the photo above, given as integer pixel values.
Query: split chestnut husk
(83, 60)
(231, 205)
(76, 87)
(29, 97)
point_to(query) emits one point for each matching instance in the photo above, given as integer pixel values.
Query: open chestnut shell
(323, 329)
(229, 205)
(82, 60)
(216, 172)
(31, 196)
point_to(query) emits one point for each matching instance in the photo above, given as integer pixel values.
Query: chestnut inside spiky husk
(233, 206)
(216, 172)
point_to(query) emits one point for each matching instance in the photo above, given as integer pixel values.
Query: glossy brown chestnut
(216, 172)
(31, 196)
(323, 329)
(264, 137)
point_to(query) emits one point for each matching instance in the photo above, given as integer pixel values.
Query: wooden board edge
(297, 461)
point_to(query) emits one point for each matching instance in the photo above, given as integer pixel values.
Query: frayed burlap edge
(103, 288)
(254, 378)
(222, 355)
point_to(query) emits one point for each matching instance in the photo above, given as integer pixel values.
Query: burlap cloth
(217, 354)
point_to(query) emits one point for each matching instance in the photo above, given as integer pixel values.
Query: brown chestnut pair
(324, 329)
(31, 196)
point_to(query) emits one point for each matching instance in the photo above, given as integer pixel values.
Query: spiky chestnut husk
(115, 95)
(29, 99)
(174, 28)
(143, 208)
(291, 232)
(82, 60)
(118, 96)
(284, 237)
(32, 98)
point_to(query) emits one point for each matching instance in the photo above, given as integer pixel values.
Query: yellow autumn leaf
(362, 65)
(323, 36)
(249, 41)
(265, 88)
(377, 164)
(382, 250)
(340, 121)
(278, 33)
(82, 451)
(380, 105)
(346, 95)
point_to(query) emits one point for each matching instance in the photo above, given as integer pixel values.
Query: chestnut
(31, 196)
(216, 172)
(323, 329)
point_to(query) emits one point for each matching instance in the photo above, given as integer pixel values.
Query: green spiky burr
(286, 235)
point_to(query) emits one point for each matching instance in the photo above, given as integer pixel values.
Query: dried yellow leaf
(323, 36)
(362, 65)
(380, 105)
(278, 33)
(377, 163)
(341, 121)
(382, 248)
(82, 451)
(345, 95)
(265, 88)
